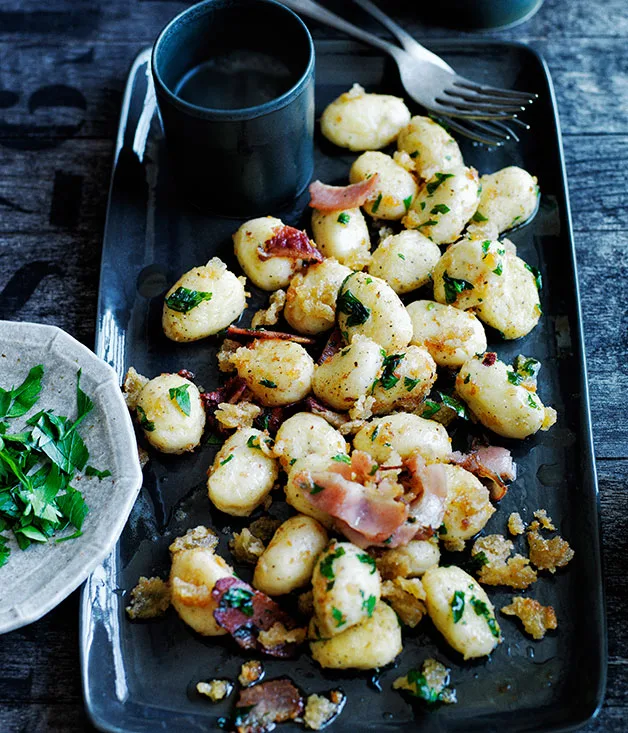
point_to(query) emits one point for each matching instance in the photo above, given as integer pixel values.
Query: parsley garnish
(537, 276)
(388, 379)
(483, 610)
(267, 383)
(401, 256)
(428, 223)
(440, 178)
(343, 218)
(486, 244)
(227, 459)
(326, 564)
(91, 471)
(422, 205)
(440, 209)
(514, 378)
(414, 154)
(368, 605)
(475, 563)
(183, 300)
(348, 304)
(181, 397)
(453, 286)
(368, 560)
(499, 269)
(455, 405)
(147, 424)
(457, 605)
(316, 489)
(532, 403)
(252, 442)
(19, 400)
(410, 383)
(477, 217)
(527, 366)
(240, 598)
(341, 458)
(430, 408)
(338, 617)
(407, 202)
(374, 433)
(431, 306)
(375, 206)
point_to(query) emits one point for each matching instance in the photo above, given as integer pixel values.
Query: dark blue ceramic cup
(235, 89)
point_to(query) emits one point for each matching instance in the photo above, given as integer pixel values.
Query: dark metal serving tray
(141, 676)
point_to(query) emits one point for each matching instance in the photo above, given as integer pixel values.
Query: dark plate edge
(136, 713)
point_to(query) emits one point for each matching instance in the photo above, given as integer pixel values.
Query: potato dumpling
(509, 197)
(430, 146)
(171, 413)
(409, 561)
(349, 373)
(367, 305)
(342, 235)
(272, 273)
(406, 380)
(277, 372)
(405, 260)
(295, 492)
(288, 561)
(361, 121)
(346, 587)
(468, 506)
(311, 298)
(373, 643)
(403, 434)
(450, 335)
(444, 205)
(193, 574)
(491, 390)
(203, 301)
(304, 434)
(395, 189)
(461, 611)
(242, 475)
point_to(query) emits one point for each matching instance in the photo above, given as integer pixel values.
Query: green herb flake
(479, 218)
(253, 442)
(18, 401)
(342, 458)
(401, 256)
(293, 461)
(440, 209)
(537, 276)
(457, 605)
(410, 383)
(375, 206)
(184, 300)
(527, 366)
(482, 609)
(348, 304)
(499, 269)
(467, 379)
(431, 306)
(486, 245)
(374, 433)
(407, 203)
(368, 605)
(100, 475)
(453, 287)
(428, 223)
(368, 560)
(422, 205)
(475, 563)
(514, 378)
(388, 379)
(240, 598)
(343, 218)
(338, 617)
(532, 402)
(414, 154)
(430, 408)
(458, 407)
(227, 459)
(440, 178)
(316, 489)
(147, 424)
(268, 383)
(326, 564)
(181, 396)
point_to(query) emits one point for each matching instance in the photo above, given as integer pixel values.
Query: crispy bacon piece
(492, 464)
(262, 333)
(336, 198)
(186, 374)
(429, 486)
(261, 707)
(271, 418)
(290, 242)
(245, 612)
(489, 358)
(333, 345)
(232, 391)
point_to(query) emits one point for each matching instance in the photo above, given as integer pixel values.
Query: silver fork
(431, 82)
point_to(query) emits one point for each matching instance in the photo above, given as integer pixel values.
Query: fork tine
(472, 134)
(521, 123)
(496, 127)
(445, 110)
(481, 98)
(460, 81)
(480, 106)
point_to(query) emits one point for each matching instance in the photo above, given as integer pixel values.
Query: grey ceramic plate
(36, 580)
(141, 676)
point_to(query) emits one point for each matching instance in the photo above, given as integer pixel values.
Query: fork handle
(317, 12)
(410, 44)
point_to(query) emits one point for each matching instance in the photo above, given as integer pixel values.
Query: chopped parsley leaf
(100, 475)
(537, 276)
(514, 378)
(341, 458)
(486, 244)
(482, 609)
(499, 269)
(440, 209)
(478, 218)
(428, 223)
(407, 202)
(147, 424)
(181, 396)
(368, 605)
(375, 206)
(240, 598)
(326, 564)
(267, 383)
(388, 379)
(457, 605)
(348, 304)
(440, 178)
(338, 617)
(368, 560)
(227, 459)
(532, 403)
(344, 218)
(455, 405)
(414, 154)
(410, 383)
(453, 286)
(184, 300)
(430, 408)
(401, 256)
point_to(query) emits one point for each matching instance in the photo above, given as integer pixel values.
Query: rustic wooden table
(63, 66)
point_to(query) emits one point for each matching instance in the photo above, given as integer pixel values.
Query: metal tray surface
(142, 676)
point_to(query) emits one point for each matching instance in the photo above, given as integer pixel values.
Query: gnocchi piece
(450, 335)
(277, 372)
(295, 491)
(409, 561)
(346, 587)
(346, 376)
(311, 298)
(403, 434)
(288, 561)
(467, 507)
(241, 476)
(373, 643)
(430, 146)
(342, 235)
(510, 197)
(461, 611)
(361, 121)
(444, 205)
(171, 413)
(268, 274)
(395, 189)
(193, 574)
(406, 380)
(368, 306)
(489, 277)
(405, 260)
(202, 302)
(304, 434)
(493, 394)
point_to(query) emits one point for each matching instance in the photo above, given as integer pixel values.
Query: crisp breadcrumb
(215, 690)
(150, 598)
(240, 415)
(132, 387)
(515, 524)
(537, 619)
(500, 568)
(251, 672)
(407, 598)
(548, 554)
(319, 710)
(430, 683)
(225, 355)
(546, 522)
(245, 547)
(279, 634)
(269, 316)
(198, 537)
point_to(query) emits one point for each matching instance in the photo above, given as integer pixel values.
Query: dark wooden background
(62, 71)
